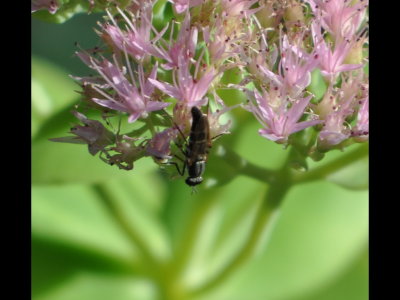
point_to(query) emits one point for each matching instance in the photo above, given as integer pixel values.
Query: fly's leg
(181, 172)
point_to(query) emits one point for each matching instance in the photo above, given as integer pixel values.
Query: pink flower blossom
(181, 6)
(331, 61)
(159, 145)
(335, 128)
(234, 8)
(294, 68)
(183, 48)
(187, 89)
(93, 133)
(341, 18)
(136, 40)
(129, 98)
(361, 130)
(51, 5)
(279, 121)
(220, 46)
(216, 128)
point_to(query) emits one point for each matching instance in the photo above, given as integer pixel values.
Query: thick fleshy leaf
(73, 229)
(54, 262)
(320, 230)
(85, 285)
(74, 215)
(55, 163)
(52, 91)
(352, 284)
(353, 176)
(318, 86)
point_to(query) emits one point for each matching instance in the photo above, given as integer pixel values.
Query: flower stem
(333, 166)
(245, 167)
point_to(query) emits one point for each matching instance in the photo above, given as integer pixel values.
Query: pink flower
(216, 128)
(181, 6)
(51, 5)
(335, 128)
(331, 61)
(361, 131)
(93, 133)
(341, 18)
(159, 145)
(184, 48)
(234, 8)
(187, 89)
(136, 40)
(279, 121)
(219, 45)
(129, 98)
(294, 68)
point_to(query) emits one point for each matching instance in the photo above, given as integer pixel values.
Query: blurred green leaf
(179, 206)
(318, 86)
(52, 91)
(353, 176)
(54, 262)
(225, 226)
(321, 230)
(352, 284)
(73, 214)
(257, 149)
(55, 163)
(85, 286)
(140, 199)
(162, 14)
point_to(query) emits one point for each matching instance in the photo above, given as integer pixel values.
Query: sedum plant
(299, 68)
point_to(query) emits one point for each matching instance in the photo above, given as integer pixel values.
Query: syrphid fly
(196, 149)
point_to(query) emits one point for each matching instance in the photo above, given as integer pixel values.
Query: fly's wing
(199, 141)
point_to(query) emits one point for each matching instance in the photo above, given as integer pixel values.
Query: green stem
(245, 167)
(123, 222)
(333, 166)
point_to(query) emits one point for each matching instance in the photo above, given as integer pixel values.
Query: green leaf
(162, 14)
(52, 91)
(352, 284)
(224, 228)
(141, 206)
(73, 214)
(257, 149)
(318, 86)
(320, 231)
(55, 163)
(53, 262)
(85, 286)
(353, 176)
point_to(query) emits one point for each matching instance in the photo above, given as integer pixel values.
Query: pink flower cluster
(153, 76)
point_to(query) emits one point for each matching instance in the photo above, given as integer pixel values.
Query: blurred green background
(316, 250)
